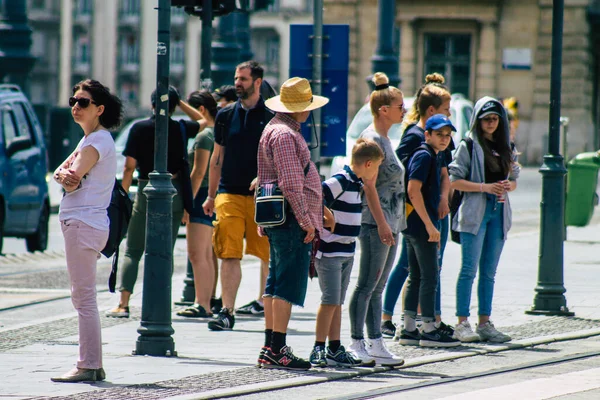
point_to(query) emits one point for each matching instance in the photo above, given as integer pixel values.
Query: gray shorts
(334, 277)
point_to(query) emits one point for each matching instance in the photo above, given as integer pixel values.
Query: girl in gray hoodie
(485, 174)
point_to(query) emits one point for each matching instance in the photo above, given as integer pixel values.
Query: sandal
(195, 311)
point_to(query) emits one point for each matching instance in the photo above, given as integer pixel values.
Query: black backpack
(119, 214)
(457, 196)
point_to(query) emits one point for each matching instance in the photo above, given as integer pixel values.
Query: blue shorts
(290, 259)
(198, 216)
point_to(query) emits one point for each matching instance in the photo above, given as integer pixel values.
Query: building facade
(500, 48)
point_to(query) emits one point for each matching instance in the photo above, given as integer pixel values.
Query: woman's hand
(68, 178)
(385, 234)
(496, 188)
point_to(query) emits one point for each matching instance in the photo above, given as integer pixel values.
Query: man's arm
(128, 169)
(214, 176)
(416, 199)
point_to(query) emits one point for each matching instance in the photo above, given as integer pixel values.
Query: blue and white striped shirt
(342, 195)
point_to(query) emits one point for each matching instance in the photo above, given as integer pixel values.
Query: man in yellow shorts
(233, 169)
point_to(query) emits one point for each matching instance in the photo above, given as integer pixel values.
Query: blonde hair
(384, 96)
(366, 150)
(432, 93)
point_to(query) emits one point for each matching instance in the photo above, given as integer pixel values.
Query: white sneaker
(464, 333)
(358, 348)
(489, 333)
(378, 349)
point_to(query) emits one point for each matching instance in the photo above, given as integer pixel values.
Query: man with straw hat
(284, 158)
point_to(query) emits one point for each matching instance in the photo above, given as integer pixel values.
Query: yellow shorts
(235, 221)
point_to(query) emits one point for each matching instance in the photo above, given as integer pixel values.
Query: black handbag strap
(112, 279)
(183, 130)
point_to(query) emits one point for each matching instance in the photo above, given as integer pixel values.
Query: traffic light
(262, 4)
(219, 7)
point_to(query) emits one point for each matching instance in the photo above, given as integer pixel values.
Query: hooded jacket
(472, 209)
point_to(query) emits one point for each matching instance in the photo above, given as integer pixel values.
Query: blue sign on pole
(336, 58)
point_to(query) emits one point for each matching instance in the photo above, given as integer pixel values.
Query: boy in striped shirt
(335, 256)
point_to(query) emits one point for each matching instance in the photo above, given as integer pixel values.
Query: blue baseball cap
(438, 121)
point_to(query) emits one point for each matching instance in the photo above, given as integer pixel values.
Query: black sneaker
(223, 322)
(216, 305)
(388, 328)
(438, 338)
(317, 357)
(410, 338)
(342, 358)
(252, 308)
(447, 329)
(261, 357)
(284, 360)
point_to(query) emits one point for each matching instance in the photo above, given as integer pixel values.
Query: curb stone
(419, 361)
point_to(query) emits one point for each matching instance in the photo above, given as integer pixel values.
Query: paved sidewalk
(217, 363)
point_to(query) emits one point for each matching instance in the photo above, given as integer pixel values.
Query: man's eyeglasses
(82, 101)
(490, 119)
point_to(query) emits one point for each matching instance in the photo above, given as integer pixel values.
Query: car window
(9, 129)
(25, 127)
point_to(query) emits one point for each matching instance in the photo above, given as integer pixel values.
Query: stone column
(408, 57)
(66, 46)
(486, 71)
(104, 42)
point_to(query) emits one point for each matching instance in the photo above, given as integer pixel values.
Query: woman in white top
(88, 177)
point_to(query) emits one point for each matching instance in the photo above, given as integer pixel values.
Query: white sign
(516, 58)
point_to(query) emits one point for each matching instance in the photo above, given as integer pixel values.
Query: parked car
(460, 108)
(121, 141)
(24, 201)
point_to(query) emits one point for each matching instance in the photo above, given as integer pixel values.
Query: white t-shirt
(89, 202)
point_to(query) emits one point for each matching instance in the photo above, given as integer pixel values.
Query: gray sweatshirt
(472, 209)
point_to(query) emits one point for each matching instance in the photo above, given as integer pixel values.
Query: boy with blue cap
(423, 237)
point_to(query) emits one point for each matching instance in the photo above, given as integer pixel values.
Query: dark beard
(246, 93)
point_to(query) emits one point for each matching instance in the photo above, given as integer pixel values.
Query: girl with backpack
(485, 175)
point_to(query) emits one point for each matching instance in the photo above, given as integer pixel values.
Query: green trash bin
(582, 181)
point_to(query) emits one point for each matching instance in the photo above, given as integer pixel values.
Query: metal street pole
(317, 75)
(385, 58)
(226, 52)
(549, 298)
(188, 295)
(155, 328)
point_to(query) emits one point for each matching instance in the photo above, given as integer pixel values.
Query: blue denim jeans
(482, 250)
(400, 273)
(290, 259)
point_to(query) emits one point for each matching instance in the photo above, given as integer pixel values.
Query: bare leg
(325, 316)
(268, 302)
(201, 256)
(282, 311)
(216, 275)
(336, 324)
(264, 273)
(125, 295)
(231, 276)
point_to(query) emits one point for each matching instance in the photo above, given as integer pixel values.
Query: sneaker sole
(410, 342)
(218, 328)
(320, 365)
(495, 341)
(432, 343)
(333, 363)
(389, 362)
(272, 366)
(468, 339)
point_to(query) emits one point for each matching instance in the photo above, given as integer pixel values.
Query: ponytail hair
(113, 108)
(432, 93)
(384, 94)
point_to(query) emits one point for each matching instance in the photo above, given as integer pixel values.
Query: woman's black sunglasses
(83, 102)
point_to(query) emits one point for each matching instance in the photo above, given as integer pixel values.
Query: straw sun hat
(296, 96)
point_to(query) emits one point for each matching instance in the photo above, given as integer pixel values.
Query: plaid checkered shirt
(282, 157)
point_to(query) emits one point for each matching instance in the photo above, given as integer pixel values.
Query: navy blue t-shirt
(239, 131)
(412, 139)
(425, 167)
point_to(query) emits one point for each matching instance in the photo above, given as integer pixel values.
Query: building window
(130, 51)
(83, 7)
(265, 46)
(130, 7)
(129, 92)
(82, 51)
(38, 4)
(450, 55)
(177, 56)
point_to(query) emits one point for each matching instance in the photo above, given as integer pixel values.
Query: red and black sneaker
(261, 356)
(284, 360)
